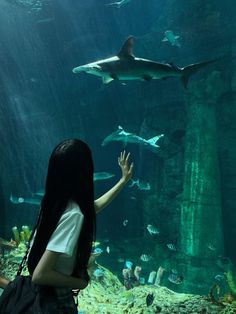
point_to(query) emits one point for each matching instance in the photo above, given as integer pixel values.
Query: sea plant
(231, 283)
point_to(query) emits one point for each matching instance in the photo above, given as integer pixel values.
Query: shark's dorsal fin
(127, 48)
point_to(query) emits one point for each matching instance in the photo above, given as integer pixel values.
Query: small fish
(97, 250)
(175, 278)
(128, 264)
(125, 222)
(174, 271)
(211, 246)
(152, 229)
(171, 247)
(108, 249)
(219, 277)
(98, 272)
(149, 299)
(141, 185)
(102, 176)
(33, 80)
(120, 260)
(145, 257)
(171, 38)
(45, 21)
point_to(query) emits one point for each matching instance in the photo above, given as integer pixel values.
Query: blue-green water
(43, 102)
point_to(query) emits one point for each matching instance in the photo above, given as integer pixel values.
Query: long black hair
(69, 177)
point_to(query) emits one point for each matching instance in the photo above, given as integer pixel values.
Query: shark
(118, 4)
(21, 200)
(102, 176)
(120, 135)
(125, 66)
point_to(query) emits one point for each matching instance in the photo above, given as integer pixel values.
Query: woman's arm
(3, 282)
(126, 169)
(44, 274)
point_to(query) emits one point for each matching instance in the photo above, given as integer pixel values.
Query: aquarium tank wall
(174, 110)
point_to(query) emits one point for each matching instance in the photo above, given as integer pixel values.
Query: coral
(9, 245)
(130, 279)
(151, 277)
(16, 235)
(8, 269)
(137, 272)
(21, 236)
(109, 297)
(159, 276)
(229, 309)
(230, 282)
(26, 231)
(17, 254)
(213, 295)
(227, 298)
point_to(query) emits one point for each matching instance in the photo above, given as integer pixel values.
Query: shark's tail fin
(192, 69)
(133, 182)
(154, 139)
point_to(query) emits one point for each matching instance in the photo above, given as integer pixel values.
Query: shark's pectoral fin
(147, 78)
(107, 79)
(114, 76)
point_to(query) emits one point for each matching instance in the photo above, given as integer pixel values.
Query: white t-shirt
(64, 238)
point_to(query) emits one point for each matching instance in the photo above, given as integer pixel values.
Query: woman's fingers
(127, 158)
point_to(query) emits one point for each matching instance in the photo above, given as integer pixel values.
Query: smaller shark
(122, 136)
(172, 38)
(21, 200)
(125, 66)
(118, 4)
(102, 176)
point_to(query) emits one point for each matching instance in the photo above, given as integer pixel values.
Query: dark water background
(43, 102)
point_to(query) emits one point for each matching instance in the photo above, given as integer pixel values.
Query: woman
(62, 243)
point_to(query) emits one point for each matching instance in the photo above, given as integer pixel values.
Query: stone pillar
(201, 220)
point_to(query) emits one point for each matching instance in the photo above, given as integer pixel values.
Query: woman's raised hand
(126, 167)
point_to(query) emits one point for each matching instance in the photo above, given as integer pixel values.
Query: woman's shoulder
(72, 209)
